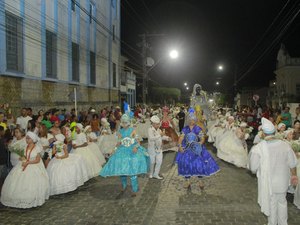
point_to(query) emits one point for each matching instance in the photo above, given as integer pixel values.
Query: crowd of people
(55, 152)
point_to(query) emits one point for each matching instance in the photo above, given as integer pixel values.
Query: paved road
(229, 198)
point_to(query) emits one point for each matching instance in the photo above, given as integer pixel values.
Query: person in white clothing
(22, 121)
(274, 163)
(155, 137)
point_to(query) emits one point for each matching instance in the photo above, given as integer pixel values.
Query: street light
(187, 88)
(185, 84)
(173, 54)
(220, 67)
(217, 83)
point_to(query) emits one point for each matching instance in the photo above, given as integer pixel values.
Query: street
(229, 198)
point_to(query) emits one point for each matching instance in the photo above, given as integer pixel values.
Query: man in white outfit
(155, 137)
(274, 163)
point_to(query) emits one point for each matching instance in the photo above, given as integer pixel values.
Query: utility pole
(145, 46)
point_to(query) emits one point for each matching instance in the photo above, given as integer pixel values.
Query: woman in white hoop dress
(27, 184)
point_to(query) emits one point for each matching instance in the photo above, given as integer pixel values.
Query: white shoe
(158, 177)
(150, 176)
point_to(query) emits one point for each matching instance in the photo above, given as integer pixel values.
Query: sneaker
(158, 177)
(150, 176)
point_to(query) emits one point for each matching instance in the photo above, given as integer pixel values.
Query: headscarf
(32, 136)
(60, 138)
(267, 126)
(155, 119)
(125, 119)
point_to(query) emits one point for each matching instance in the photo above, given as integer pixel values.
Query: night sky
(209, 32)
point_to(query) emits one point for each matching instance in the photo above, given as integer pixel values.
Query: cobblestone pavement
(229, 198)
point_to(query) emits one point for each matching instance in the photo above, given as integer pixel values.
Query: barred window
(51, 54)
(75, 62)
(14, 42)
(114, 75)
(92, 68)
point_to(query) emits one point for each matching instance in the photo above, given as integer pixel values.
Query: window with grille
(75, 62)
(51, 55)
(92, 68)
(114, 75)
(14, 42)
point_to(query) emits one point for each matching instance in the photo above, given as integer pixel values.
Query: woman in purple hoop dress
(193, 159)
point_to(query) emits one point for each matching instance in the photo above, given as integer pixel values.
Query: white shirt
(281, 157)
(155, 139)
(23, 122)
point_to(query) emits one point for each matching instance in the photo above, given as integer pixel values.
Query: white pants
(155, 160)
(278, 211)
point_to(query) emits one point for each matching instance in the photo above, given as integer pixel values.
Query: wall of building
(32, 87)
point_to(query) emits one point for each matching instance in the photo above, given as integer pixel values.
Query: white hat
(267, 126)
(155, 119)
(280, 125)
(231, 117)
(32, 136)
(79, 125)
(60, 138)
(93, 110)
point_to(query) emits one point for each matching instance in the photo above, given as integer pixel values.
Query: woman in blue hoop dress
(193, 159)
(129, 159)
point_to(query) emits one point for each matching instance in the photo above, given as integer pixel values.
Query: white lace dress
(95, 148)
(28, 188)
(66, 174)
(93, 164)
(233, 149)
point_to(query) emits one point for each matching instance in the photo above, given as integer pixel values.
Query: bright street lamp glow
(210, 100)
(185, 84)
(217, 83)
(220, 67)
(173, 54)
(187, 88)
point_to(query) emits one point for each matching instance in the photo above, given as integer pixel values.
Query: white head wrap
(79, 125)
(243, 124)
(280, 125)
(32, 136)
(286, 133)
(155, 119)
(267, 126)
(125, 119)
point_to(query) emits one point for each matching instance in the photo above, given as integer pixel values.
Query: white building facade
(50, 47)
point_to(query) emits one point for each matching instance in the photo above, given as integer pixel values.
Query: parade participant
(155, 137)
(166, 124)
(297, 129)
(233, 147)
(193, 159)
(129, 159)
(273, 160)
(92, 144)
(27, 184)
(55, 129)
(80, 146)
(66, 171)
(286, 117)
(22, 121)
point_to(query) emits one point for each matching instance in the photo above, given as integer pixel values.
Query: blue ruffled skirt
(192, 164)
(124, 162)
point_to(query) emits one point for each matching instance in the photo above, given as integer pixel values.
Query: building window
(75, 62)
(14, 42)
(51, 56)
(73, 5)
(114, 32)
(92, 68)
(114, 75)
